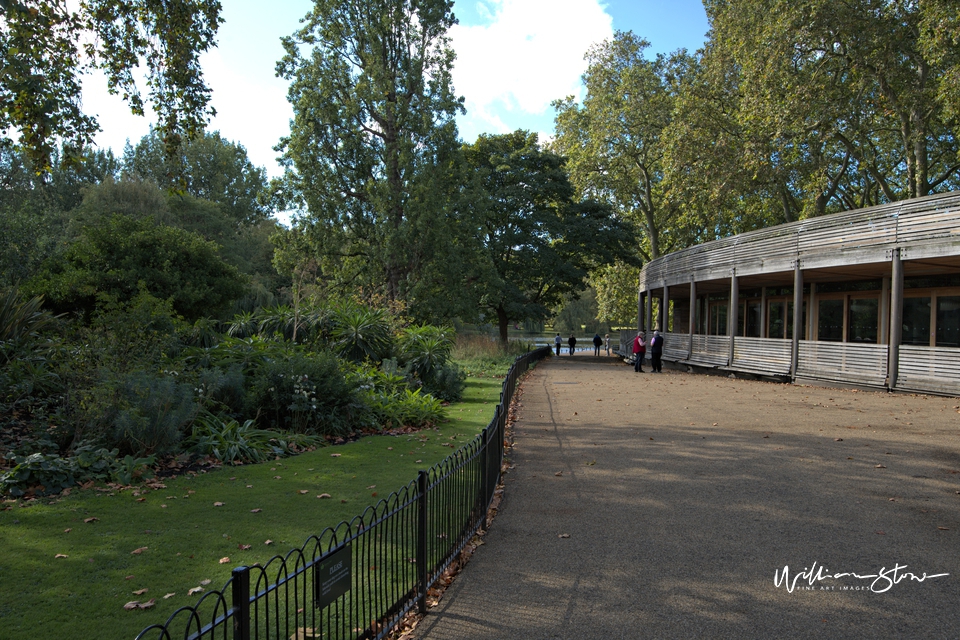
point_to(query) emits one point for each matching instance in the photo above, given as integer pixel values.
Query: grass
(183, 535)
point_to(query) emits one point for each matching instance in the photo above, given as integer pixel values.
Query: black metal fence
(360, 578)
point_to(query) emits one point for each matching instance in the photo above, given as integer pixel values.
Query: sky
(514, 57)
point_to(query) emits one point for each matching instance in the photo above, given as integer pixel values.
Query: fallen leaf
(140, 592)
(194, 591)
(130, 606)
(128, 578)
(218, 504)
(268, 542)
(880, 466)
(944, 528)
(137, 552)
(304, 491)
(243, 547)
(67, 530)
(224, 560)
(373, 486)
(205, 582)
(564, 535)
(61, 555)
(881, 533)
(255, 510)
(558, 473)
(334, 455)
(591, 463)
(324, 495)
(89, 520)
(168, 596)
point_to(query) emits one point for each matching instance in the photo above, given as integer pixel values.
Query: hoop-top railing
(360, 578)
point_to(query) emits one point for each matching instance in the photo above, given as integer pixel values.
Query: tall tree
(536, 243)
(47, 45)
(373, 138)
(613, 139)
(854, 78)
(208, 167)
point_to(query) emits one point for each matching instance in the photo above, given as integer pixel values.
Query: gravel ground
(664, 506)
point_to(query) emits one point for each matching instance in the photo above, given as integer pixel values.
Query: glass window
(862, 322)
(916, 321)
(830, 325)
(718, 319)
(948, 321)
(753, 319)
(776, 323)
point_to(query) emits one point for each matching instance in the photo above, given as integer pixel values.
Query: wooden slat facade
(919, 237)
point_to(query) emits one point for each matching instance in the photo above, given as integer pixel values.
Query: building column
(896, 320)
(648, 324)
(640, 293)
(733, 314)
(797, 317)
(665, 310)
(693, 315)
(763, 312)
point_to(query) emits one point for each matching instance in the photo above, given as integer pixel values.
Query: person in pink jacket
(639, 351)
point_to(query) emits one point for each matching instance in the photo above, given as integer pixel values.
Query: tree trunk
(503, 321)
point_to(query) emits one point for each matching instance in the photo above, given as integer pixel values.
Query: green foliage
(304, 393)
(151, 414)
(446, 382)
(537, 244)
(47, 473)
(372, 141)
(361, 333)
(123, 255)
(21, 322)
(233, 443)
(207, 167)
(48, 46)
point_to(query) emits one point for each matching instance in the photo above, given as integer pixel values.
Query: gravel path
(663, 506)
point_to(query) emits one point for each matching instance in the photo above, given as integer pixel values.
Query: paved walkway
(661, 506)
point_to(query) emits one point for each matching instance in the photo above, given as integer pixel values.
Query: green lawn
(184, 528)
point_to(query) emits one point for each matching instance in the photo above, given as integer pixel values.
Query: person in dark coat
(597, 343)
(656, 352)
(572, 342)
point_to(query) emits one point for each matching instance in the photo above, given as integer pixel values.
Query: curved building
(867, 298)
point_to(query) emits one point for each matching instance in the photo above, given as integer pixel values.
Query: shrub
(233, 443)
(151, 414)
(446, 383)
(360, 333)
(305, 393)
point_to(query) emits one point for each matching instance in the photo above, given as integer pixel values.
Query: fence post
(422, 539)
(241, 603)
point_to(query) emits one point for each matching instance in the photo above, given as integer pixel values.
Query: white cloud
(529, 54)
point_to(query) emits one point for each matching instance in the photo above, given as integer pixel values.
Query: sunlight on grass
(184, 534)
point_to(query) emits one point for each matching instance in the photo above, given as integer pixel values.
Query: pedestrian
(558, 341)
(656, 352)
(597, 343)
(639, 351)
(606, 343)
(572, 342)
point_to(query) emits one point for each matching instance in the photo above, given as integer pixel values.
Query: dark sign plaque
(332, 577)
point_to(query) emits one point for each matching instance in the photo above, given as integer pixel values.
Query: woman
(639, 351)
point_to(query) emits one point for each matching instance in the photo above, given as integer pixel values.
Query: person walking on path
(558, 341)
(639, 350)
(656, 352)
(606, 343)
(597, 343)
(572, 342)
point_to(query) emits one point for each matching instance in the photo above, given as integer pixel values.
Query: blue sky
(513, 58)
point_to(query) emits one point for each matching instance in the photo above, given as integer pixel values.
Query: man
(572, 342)
(656, 352)
(597, 343)
(639, 351)
(558, 341)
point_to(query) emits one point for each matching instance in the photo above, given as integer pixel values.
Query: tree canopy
(47, 46)
(536, 243)
(373, 140)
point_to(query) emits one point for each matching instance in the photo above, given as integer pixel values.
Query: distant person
(558, 341)
(597, 343)
(639, 351)
(572, 342)
(656, 352)
(606, 343)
